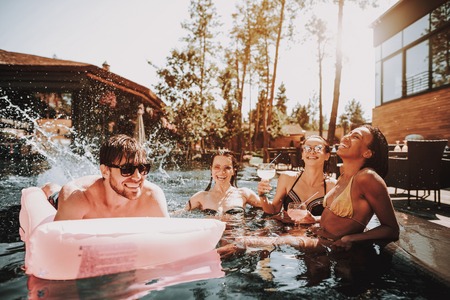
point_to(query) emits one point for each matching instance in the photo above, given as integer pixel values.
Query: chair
(296, 164)
(421, 170)
(445, 173)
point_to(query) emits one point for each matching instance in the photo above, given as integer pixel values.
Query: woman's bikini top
(314, 206)
(342, 206)
(232, 211)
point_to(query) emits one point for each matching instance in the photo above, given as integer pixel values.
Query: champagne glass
(297, 211)
(266, 171)
(397, 147)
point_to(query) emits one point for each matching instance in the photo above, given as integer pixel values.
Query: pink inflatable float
(63, 250)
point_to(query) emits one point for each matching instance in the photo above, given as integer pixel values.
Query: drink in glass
(297, 211)
(266, 171)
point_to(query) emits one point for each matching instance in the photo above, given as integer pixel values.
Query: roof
(14, 58)
(292, 129)
(402, 14)
(14, 66)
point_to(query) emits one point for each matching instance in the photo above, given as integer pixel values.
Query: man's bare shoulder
(75, 188)
(150, 187)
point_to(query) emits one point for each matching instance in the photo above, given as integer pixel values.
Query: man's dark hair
(122, 146)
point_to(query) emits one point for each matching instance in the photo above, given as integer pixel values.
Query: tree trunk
(337, 78)
(320, 95)
(269, 107)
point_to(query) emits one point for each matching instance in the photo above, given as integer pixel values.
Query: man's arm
(160, 198)
(70, 207)
(72, 200)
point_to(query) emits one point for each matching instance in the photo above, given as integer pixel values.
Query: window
(391, 45)
(440, 50)
(416, 59)
(392, 78)
(377, 84)
(417, 68)
(377, 53)
(440, 16)
(416, 30)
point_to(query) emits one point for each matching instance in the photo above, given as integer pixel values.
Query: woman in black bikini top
(310, 182)
(314, 206)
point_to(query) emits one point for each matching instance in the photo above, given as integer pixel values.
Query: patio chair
(445, 173)
(295, 162)
(421, 170)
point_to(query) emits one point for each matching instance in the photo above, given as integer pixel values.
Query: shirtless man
(224, 196)
(120, 191)
(360, 193)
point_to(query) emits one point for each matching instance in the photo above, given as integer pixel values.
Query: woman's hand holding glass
(264, 187)
(298, 213)
(266, 171)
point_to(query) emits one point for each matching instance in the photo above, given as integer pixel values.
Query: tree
(200, 39)
(279, 118)
(188, 79)
(273, 24)
(281, 99)
(337, 77)
(300, 115)
(318, 28)
(338, 70)
(353, 116)
(239, 56)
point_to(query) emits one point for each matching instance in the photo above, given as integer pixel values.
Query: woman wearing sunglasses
(359, 195)
(121, 191)
(309, 185)
(223, 197)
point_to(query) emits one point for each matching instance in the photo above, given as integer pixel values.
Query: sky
(129, 33)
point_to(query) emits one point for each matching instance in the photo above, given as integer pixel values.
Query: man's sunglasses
(316, 149)
(129, 169)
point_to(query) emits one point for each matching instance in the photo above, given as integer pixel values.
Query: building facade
(412, 53)
(74, 99)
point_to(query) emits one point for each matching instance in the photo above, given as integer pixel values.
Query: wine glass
(397, 147)
(266, 171)
(297, 211)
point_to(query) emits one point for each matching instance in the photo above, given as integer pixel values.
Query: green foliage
(281, 99)
(353, 115)
(188, 79)
(300, 115)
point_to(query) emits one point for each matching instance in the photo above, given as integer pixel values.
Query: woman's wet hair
(327, 149)
(380, 152)
(122, 146)
(234, 162)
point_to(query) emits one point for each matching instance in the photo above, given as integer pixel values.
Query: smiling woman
(307, 186)
(224, 196)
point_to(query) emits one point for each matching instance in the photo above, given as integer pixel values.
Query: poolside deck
(424, 234)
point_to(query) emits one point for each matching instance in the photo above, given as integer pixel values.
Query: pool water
(273, 272)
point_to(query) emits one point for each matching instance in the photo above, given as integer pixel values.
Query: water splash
(64, 158)
(75, 156)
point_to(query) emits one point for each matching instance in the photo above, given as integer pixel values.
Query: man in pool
(359, 194)
(121, 191)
